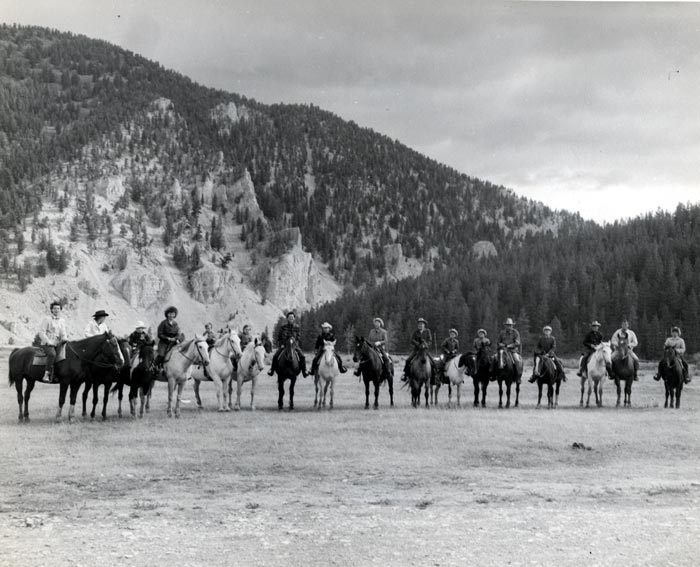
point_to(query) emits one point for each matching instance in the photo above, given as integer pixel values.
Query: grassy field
(396, 486)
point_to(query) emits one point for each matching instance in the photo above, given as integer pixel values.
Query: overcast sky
(591, 107)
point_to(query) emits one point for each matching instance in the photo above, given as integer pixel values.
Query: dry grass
(354, 487)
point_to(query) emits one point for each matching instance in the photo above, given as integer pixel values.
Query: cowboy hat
(595, 324)
(100, 313)
(455, 331)
(326, 325)
(482, 331)
(421, 320)
(140, 325)
(509, 321)
(677, 329)
(381, 321)
(546, 328)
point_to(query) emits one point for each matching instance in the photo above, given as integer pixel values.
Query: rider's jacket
(245, 339)
(546, 345)
(480, 343)
(677, 343)
(631, 338)
(510, 338)
(378, 336)
(592, 339)
(168, 330)
(210, 337)
(53, 330)
(450, 346)
(93, 328)
(421, 336)
(329, 336)
(137, 339)
(288, 330)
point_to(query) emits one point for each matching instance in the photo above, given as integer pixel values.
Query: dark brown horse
(106, 377)
(141, 379)
(672, 374)
(81, 359)
(372, 370)
(288, 368)
(480, 368)
(420, 374)
(623, 371)
(546, 373)
(506, 371)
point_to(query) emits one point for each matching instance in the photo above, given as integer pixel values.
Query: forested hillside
(67, 99)
(647, 269)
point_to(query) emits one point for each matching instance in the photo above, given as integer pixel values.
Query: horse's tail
(10, 376)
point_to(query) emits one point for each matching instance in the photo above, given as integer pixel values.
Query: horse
(480, 368)
(176, 368)
(623, 369)
(506, 371)
(436, 380)
(141, 379)
(105, 377)
(419, 374)
(672, 374)
(546, 373)
(599, 364)
(326, 374)
(454, 371)
(251, 364)
(288, 368)
(372, 370)
(82, 359)
(220, 369)
(22, 366)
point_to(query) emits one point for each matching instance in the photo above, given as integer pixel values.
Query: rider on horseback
(97, 326)
(481, 342)
(327, 335)
(678, 344)
(450, 348)
(420, 336)
(378, 337)
(209, 335)
(137, 339)
(590, 341)
(509, 338)
(289, 330)
(246, 335)
(168, 334)
(547, 346)
(51, 334)
(627, 336)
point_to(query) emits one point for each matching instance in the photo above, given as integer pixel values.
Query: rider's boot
(271, 372)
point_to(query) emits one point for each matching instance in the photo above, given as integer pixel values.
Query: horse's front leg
(427, 394)
(377, 383)
(332, 387)
(95, 398)
(628, 393)
(539, 394)
(292, 382)
(500, 393)
(484, 387)
(583, 388)
(619, 391)
(86, 392)
(63, 390)
(195, 387)
(280, 392)
(508, 387)
(316, 396)
(105, 399)
(180, 386)
(390, 379)
(678, 395)
(171, 388)
(219, 385)
(74, 387)
(253, 383)
(366, 380)
(120, 397)
(517, 393)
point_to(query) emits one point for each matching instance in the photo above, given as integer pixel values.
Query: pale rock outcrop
(209, 284)
(398, 266)
(484, 249)
(141, 287)
(111, 188)
(242, 194)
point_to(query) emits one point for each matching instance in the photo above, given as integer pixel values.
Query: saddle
(40, 356)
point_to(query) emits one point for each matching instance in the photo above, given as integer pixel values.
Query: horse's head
(670, 355)
(358, 344)
(258, 352)
(147, 355)
(201, 350)
(112, 350)
(329, 346)
(234, 342)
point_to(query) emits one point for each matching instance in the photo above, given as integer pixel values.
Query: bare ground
(396, 486)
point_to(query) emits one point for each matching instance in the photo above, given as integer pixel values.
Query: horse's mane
(91, 342)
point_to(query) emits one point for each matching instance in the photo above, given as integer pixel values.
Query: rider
(289, 329)
(631, 340)
(168, 334)
(209, 334)
(592, 339)
(678, 344)
(137, 339)
(378, 337)
(510, 339)
(98, 325)
(51, 333)
(480, 342)
(547, 346)
(326, 335)
(420, 335)
(450, 347)
(246, 335)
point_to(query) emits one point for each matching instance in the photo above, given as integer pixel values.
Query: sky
(589, 107)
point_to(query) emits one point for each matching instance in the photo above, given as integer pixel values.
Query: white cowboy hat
(326, 325)
(482, 331)
(595, 324)
(421, 320)
(509, 321)
(381, 322)
(140, 325)
(546, 328)
(455, 331)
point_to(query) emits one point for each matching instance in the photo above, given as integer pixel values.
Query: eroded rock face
(141, 288)
(241, 194)
(209, 284)
(397, 265)
(484, 249)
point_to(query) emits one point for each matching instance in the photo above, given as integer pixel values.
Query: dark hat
(171, 309)
(100, 313)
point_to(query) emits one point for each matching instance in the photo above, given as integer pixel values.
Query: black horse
(546, 372)
(420, 373)
(480, 368)
(672, 374)
(106, 377)
(81, 358)
(288, 368)
(506, 371)
(372, 370)
(141, 379)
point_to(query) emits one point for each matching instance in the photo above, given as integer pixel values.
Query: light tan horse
(456, 374)
(176, 368)
(251, 364)
(220, 369)
(326, 374)
(599, 364)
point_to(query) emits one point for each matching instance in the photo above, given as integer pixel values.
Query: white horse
(599, 364)
(326, 374)
(220, 368)
(251, 364)
(177, 368)
(456, 375)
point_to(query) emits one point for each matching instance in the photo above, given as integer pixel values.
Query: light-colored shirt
(677, 343)
(53, 330)
(93, 328)
(631, 338)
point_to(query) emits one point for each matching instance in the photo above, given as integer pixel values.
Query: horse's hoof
(252, 408)
(220, 410)
(375, 407)
(538, 406)
(366, 406)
